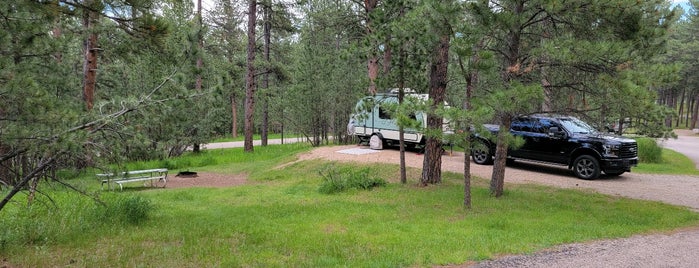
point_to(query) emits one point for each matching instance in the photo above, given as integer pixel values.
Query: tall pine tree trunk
(250, 77)
(372, 61)
(510, 72)
(695, 112)
(90, 56)
(679, 115)
(196, 147)
(234, 116)
(200, 46)
(497, 182)
(432, 163)
(267, 28)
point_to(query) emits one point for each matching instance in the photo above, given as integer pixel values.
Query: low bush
(649, 151)
(133, 209)
(339, 180)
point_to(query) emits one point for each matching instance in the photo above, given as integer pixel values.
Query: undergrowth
(337, 180)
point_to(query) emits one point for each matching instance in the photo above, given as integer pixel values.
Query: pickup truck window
(576, 126)
(523, 124)
(545, 125)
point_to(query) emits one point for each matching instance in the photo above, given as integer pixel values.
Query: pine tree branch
(39, 169)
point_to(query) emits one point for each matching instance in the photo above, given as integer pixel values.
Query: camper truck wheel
(376, 142)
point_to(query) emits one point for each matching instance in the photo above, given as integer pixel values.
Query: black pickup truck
(563, 140)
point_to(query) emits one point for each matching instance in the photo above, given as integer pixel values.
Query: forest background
(88, 83)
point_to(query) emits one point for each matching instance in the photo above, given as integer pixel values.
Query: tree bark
(497, 181)
(432, 164)
(681, 111)
(471, 77)
(234, 116)
(401, 131)
(695, 113)
(90, 55)
(267, 28)
(250, 77)
(372, 61)
(200, 46)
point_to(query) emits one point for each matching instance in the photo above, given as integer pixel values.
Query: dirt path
(676, 190)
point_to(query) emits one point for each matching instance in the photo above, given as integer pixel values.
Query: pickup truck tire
(480, 153)
(586, 167)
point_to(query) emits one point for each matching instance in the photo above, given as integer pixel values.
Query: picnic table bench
(154, 176)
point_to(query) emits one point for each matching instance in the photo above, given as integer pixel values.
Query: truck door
(546, 147)
(525, 128)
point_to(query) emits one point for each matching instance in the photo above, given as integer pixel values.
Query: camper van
(373, 124)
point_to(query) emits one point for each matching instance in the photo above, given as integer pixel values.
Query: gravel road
(676, 249)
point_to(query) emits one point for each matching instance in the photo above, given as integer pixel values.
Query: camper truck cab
(373, 122)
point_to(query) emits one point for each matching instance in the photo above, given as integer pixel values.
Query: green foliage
(672, 163)
(336, 180)
(66, 217)
(240, 226)
(130, 209)
(649, 151)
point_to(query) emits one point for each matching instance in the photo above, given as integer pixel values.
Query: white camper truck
(372, 123)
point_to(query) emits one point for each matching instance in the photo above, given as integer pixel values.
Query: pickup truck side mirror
(557, 133)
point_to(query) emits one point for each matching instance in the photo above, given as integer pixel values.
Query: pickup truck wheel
(586, 167)
(480, 153)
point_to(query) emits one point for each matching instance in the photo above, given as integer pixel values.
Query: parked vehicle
(564, 140)
(373, 123)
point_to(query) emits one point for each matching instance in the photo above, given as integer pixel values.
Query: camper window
(383, 114)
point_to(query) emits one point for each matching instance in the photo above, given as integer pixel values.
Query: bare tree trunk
(471, 77)
(200, 46)
(90, 57)
(690, 100)
(497, 181)
(401, 130)
(432, 164)
(250, 77)
(372, 61)
(196, 147)
(512, 68)
(267, 28)
(671, 103)
(695, 113)
(234, 116)
(681, 111)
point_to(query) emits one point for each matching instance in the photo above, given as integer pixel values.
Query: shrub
(649, 151)
(335, 181)
(127, 209)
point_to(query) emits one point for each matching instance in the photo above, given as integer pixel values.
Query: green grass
(281, 219)
(672, 163)
(255, 137)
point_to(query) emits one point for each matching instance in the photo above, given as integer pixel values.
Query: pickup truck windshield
(576, 126)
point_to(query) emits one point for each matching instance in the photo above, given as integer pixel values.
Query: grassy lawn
(281, 219)
(672, 163)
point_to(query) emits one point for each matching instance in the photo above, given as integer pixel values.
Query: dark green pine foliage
(37, 87)
(569, 57)
(328, 73)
